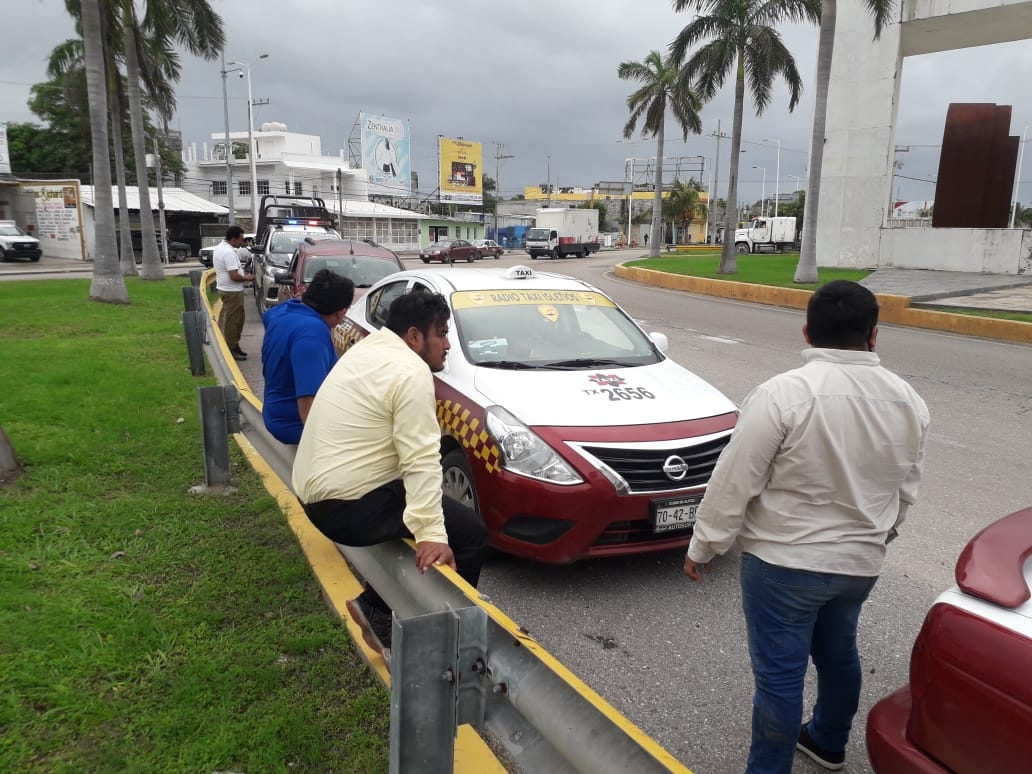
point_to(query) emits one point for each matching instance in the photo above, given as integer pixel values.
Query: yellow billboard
(462, 177)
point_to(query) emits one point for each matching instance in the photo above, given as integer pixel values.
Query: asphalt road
(670, 654)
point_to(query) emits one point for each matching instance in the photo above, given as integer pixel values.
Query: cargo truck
(766, 234)
(559, 232)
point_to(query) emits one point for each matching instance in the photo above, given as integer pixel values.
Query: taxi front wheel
(458, 480)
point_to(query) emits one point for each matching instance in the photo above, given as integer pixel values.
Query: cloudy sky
(537, 77)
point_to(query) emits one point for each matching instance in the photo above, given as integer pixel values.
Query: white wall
(991, 251)
(860, 135)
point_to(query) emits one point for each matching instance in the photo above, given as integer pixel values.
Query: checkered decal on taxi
(455, 420)
(345, 336)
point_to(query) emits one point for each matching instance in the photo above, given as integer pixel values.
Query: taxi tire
(458, 479)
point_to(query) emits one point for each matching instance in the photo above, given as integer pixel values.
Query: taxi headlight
(524, 451)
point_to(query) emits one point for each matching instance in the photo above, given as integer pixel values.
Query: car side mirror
(660, 340)
(284, 278)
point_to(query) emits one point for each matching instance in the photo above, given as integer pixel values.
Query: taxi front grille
(620, 533)
(642, 468)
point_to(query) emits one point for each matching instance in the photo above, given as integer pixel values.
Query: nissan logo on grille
(675, 467)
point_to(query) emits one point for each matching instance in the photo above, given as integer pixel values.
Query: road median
(895, 309)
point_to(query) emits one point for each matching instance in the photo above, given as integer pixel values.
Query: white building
(288, 163)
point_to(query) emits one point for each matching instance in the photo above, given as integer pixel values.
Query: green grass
(757, 269)
(778, 269)
(144, 628)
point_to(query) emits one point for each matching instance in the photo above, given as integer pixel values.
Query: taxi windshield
(548, 329)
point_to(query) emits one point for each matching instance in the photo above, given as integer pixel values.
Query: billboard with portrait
(462, 171)
(386, 154)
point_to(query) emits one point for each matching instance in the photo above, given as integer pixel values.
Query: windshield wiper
(586, 362)
(512, 365)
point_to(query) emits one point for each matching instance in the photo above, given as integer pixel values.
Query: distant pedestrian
(230, 281)
(298, 351)
(368, 468)
(646, 238)
(820, 470)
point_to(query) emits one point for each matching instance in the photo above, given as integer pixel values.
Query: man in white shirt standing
(820, 470)
(368, 466)
(230, 280)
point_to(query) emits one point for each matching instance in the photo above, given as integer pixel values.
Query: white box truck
(561, 231)
(766, 234)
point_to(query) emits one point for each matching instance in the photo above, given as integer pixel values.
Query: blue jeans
(792, 615)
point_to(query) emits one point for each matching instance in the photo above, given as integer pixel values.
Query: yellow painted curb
(893, 309)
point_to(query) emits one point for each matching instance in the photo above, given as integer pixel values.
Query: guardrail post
(195, 277)
(193, 332)
(220, 416)
(191, 298)
(437, 683)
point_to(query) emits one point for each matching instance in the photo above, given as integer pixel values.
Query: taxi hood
(653, 394)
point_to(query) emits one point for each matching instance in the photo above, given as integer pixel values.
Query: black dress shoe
(238, 355)
(237, 351)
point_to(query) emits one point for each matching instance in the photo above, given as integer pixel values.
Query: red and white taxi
(562, 422)
(968, 704)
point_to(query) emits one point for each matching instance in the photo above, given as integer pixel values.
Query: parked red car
(968, 704)
(450, 252)
(489, 247)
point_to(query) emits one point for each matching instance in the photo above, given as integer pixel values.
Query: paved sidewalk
(1003, 292)
(49, 264)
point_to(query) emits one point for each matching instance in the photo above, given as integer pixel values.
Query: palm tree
(806, 269)
(66, 64)
(684, 205)
(661, 88)
(742, 39)
(149, 59)
(108, 285)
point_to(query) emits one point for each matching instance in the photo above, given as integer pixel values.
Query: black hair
(329, 292)
(418, 309)
(233, 232)
(841, 315)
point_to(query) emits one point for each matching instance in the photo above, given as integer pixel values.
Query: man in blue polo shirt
(298, 353)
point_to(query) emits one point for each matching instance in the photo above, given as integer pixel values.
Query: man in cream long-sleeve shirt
(820, 470)
(368, 466)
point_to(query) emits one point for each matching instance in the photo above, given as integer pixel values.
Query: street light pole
(763, 191)
(777, 176)
(1017, 177)
(498, 188)
(252, 151)
(231, 203)
(629, 176)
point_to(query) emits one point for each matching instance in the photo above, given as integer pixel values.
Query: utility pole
(498, 186)
(230, 160)
(548, 180)
(163, 239)
(712, 220)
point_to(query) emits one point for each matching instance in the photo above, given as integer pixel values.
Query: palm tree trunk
(126, 261)
(655, 234)
(728, 259)
(806, 269)
(150, 266)
(107, 284)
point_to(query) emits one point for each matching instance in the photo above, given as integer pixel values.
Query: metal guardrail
(459, 659)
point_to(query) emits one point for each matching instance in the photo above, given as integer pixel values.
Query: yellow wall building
(642, 203)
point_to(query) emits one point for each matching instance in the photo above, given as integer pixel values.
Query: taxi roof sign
(519, 272)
